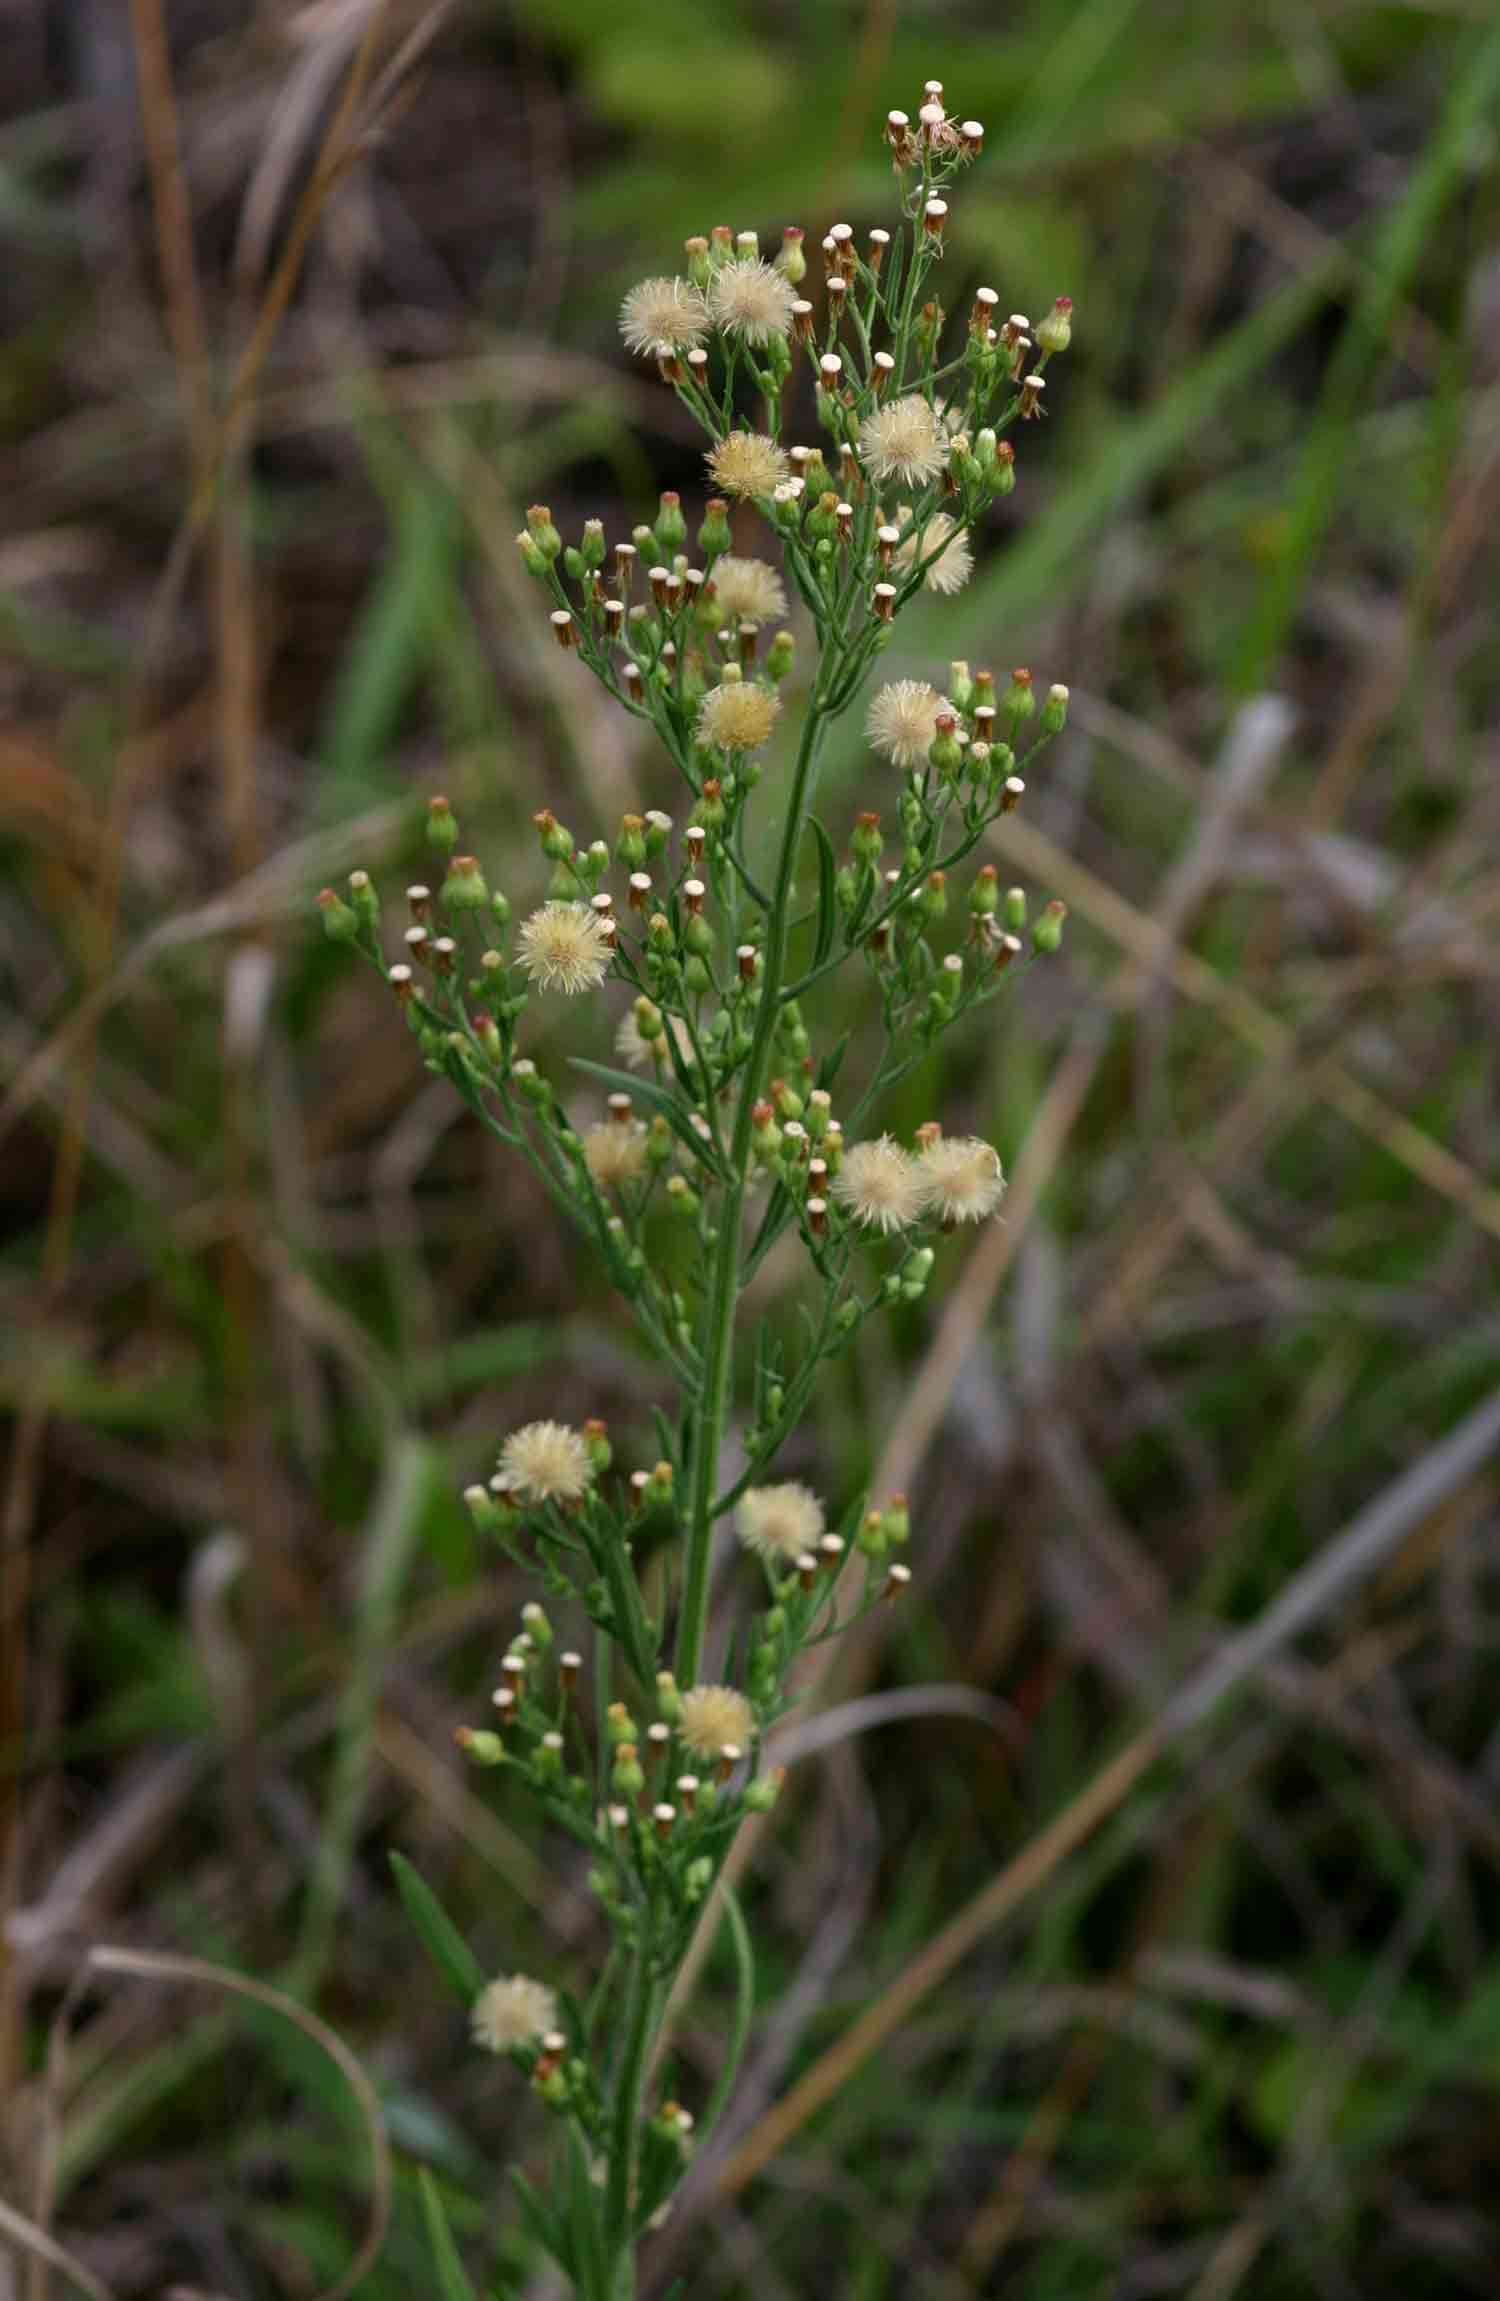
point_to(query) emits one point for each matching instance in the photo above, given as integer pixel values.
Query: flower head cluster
(748, 590)
(546, 1462)
(940, 547)
(564, 947)
(747, 465)
(662, 316)
(615, 1152)
(512, 2011)
(961, 1178)
(752, 300)
(904, 441)
(879, 1185)
(715, 1719)
(779, 1521)
(738, 716)
(902, 720)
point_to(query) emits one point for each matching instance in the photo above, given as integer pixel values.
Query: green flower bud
(464, 888)
(591, 550)
(483, 1509)
(780, 656)
(946, 753)
(932, 899)
(538, 1628)
(761, 1794)
(897, 1517)
(681, 1197)
(533, 558)
(658, 830)
(1046, 935)
(1055, 711)
(363, 897)
(984, 895)
(671, 527)
(1014, 912)
(556, 839)
(1055, 332)
(1019, 699)
(630, 847)
(485, 1748)
(500, 909)
(668, 1699)
(872, 1537)
(865, 841)
(600, 1452)
(960, 686)
(620, 1726)
(713, 534)
(542, 532)
(340, 924)
(792, 262)
(699, 269)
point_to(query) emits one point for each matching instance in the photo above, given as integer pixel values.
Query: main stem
(724, 1274)
(640, 2024)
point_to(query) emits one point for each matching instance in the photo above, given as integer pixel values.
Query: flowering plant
(722, 1124)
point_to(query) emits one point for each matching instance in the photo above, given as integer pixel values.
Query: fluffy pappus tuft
(879, 1186)
(738, 717)
(904, 441)
(564, 947)
(779, 1521)
(512, 2011)
(663, 316)
(902, 720)
(752, 300)
(747, 465)
(546, 1462)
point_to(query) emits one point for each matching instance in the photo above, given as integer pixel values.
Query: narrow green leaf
(452, 2277)
(655, 1098)
(827, 905)
(440, 1937)
(543, 2225)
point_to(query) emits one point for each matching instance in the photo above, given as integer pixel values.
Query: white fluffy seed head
(752, 300)
(961, 1178)
(564, 947)
(715, 1718)
(511, 2011)
(546, 1462)
(615, 1154)
(943, 545)
(779, 1521)
(748, 590)
(663, 315)
(879, 1186)
(747, 465)
(739, 716)
(902, 720)
(903, 441)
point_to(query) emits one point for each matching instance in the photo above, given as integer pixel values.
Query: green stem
(724, 1276)
(640, 2027)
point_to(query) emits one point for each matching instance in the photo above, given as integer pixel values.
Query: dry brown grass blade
(162, 1965)
(1144, 942)
(1350, 1559)
(45, 2252)
(102, 917)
